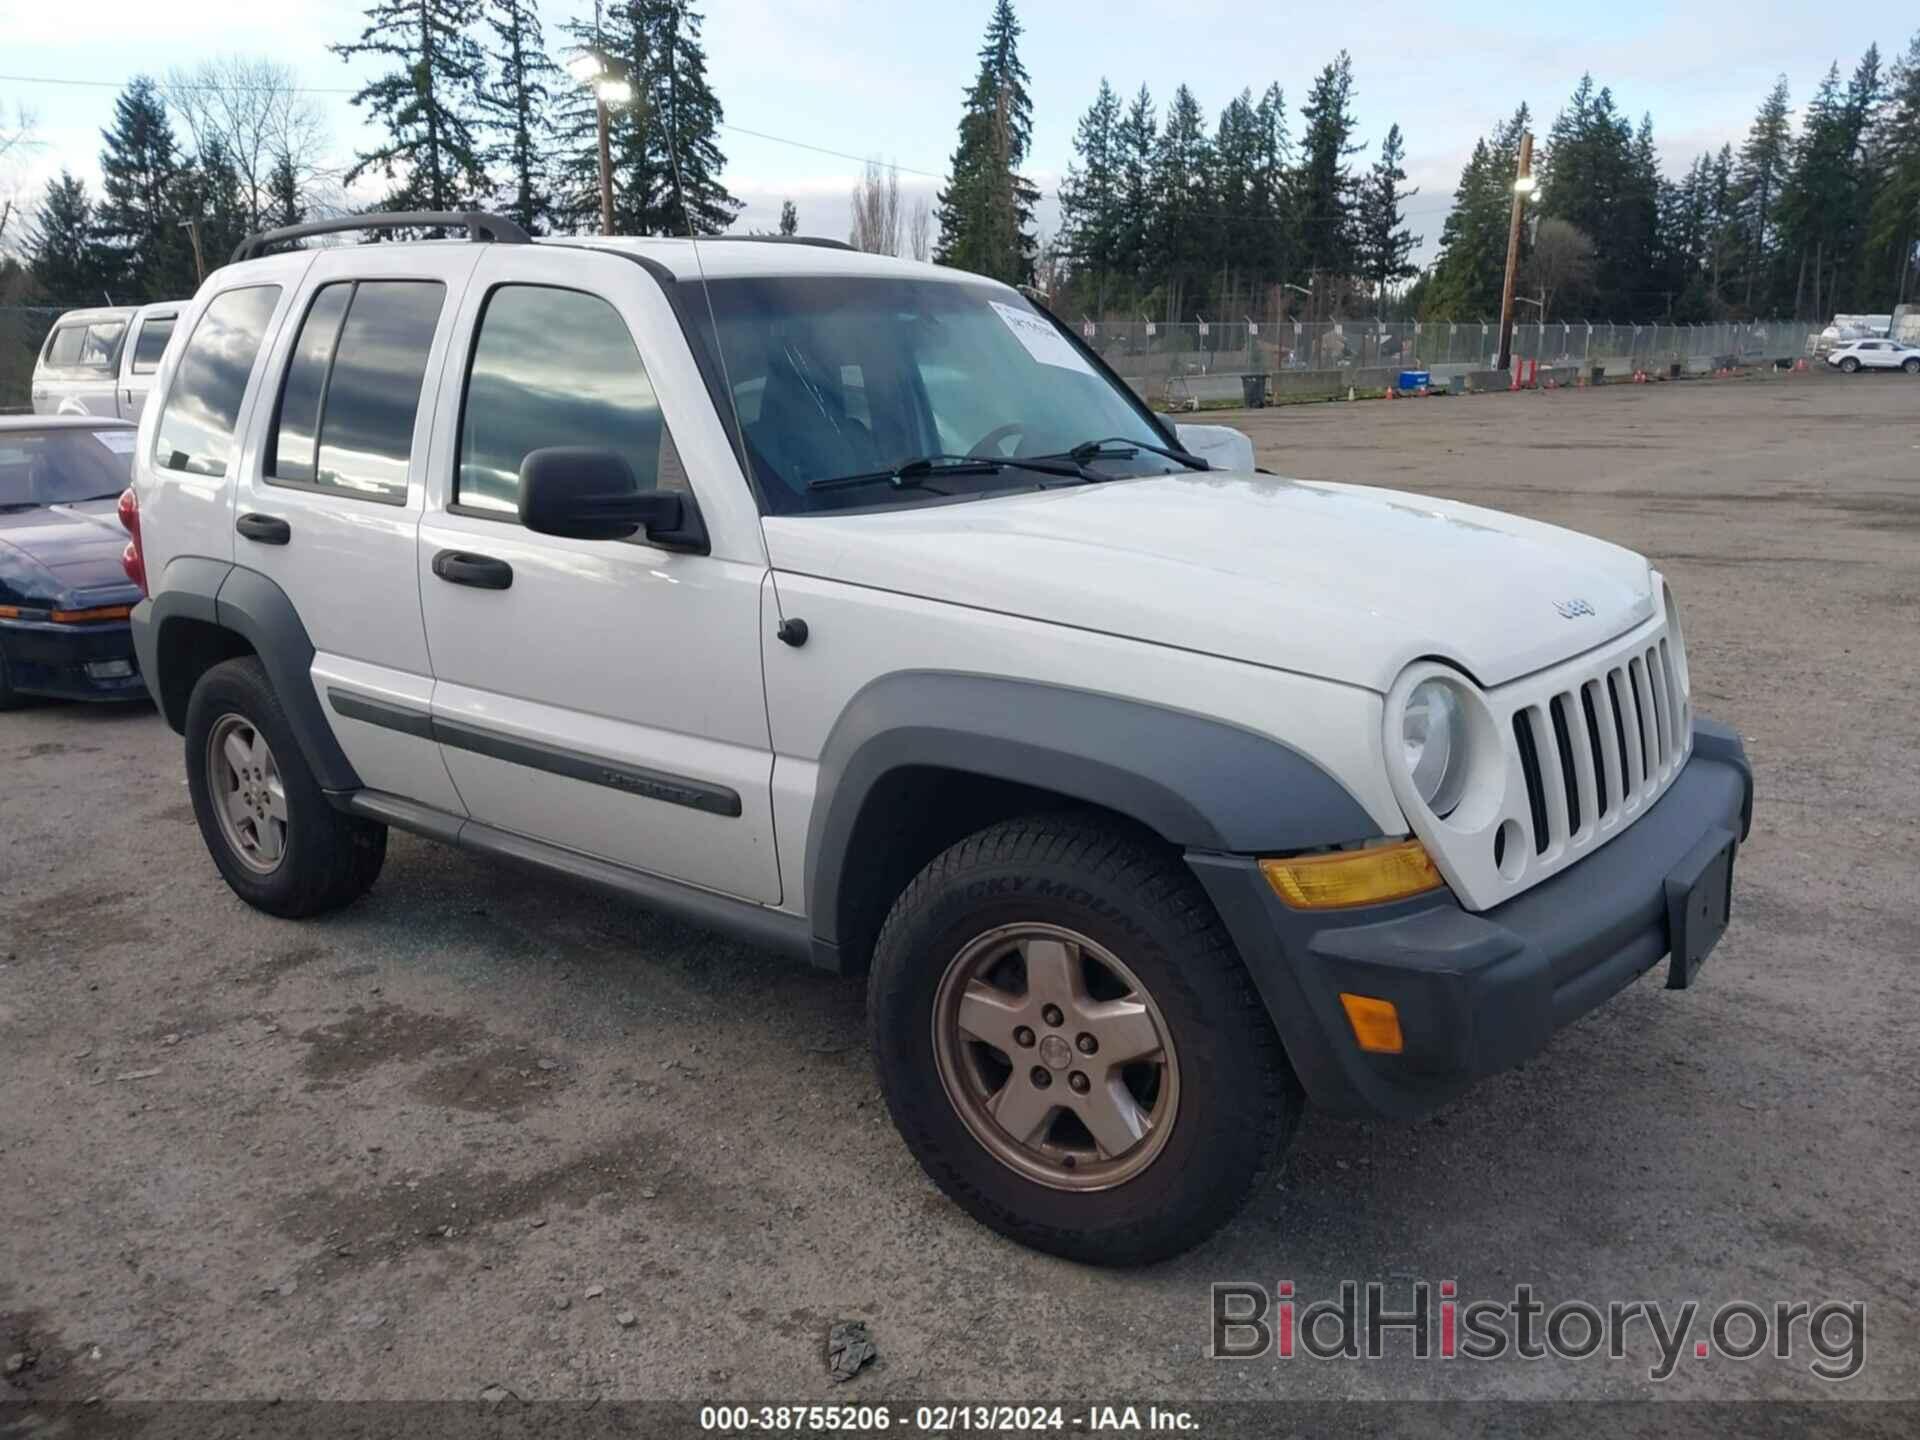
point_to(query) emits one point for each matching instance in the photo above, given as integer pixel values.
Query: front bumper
(48, 659)
(1476, 993)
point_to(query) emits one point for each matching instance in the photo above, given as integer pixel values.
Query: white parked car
(1858, 355)
(102, 362)
(853, 607)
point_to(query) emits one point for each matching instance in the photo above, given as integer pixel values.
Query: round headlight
(1434, 736)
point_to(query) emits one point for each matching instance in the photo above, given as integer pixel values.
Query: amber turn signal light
(1353, 877)
(1376, 1024)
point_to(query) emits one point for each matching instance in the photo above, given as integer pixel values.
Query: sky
(884, 78)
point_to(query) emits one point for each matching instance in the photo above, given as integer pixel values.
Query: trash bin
(1599, 374)
(1253, 389)
(1673, 370)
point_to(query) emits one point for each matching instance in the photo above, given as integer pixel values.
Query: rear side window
(352, 392)
(195, 433)
(152, 344)
(555, 367)
(84, 346)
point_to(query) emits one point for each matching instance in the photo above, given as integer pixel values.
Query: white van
(102, 362)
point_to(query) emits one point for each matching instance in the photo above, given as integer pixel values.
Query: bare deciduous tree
(876, 211)
(252, 109)
(920, 229)
(16, 138)
(1561, 263)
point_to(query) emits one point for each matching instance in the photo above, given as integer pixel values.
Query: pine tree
(1180, 243)
(687, 116)
(427, 102)
(144, 252)
(1236, 244)
(1761, 174)
(516, 106)
(986, 208)
(1275, 238)
(1892, 261)
(789, 218)
(284, 205)
(1138, 135)
(1383, 244)
(1825, 204)
(1090, 198)
(212, 193)
(1323, 187)
(61, 245)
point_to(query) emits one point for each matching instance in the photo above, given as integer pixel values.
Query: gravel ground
(484, 1130)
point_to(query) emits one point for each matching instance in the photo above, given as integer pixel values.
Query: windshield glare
(59, 467)
(845, 375)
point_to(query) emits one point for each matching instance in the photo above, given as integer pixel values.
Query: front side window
(352, 391)
(554, 367)
(195, 433)
(152, 344)
(844, 375)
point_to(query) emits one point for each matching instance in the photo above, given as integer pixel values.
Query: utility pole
(1522, 187)
(600, 124)
(192, 227)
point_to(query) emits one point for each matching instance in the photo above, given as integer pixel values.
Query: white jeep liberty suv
(855, 608)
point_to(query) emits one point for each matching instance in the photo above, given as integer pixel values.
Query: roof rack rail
(477, 223)
(820, 240)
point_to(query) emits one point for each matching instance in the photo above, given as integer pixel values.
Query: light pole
(1523, 185)
(590, 68)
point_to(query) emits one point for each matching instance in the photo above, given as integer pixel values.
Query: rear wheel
(1849, 365)
(1070, 1045)
(1911, 364)
(277, 840)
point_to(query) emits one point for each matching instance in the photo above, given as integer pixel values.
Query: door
(152, 330)
(333, 484)
(605, 696)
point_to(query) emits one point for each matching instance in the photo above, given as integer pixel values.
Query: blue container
(1415, 379)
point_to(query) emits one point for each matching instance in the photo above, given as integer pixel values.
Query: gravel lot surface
(485, 1130)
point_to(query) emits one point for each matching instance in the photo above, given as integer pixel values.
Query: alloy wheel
(1055, 1056)
(249, 797)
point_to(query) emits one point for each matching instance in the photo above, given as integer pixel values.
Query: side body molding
(1200, 783)
(232, 597)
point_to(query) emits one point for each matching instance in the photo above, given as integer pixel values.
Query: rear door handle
(267, 529)
(483, 572)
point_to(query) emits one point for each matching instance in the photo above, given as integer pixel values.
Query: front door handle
(481, 571)
(267, 529)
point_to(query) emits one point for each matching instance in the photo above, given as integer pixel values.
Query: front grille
(1601, 748)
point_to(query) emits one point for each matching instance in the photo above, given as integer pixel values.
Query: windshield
(838, 376)
(58, 467)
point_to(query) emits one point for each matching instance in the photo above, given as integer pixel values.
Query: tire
(1849, 365)
(1234, 1099)
(1911, 364)
(318, 859)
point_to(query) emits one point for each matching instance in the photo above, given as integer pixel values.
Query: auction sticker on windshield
(120, 442)
(1043, 342)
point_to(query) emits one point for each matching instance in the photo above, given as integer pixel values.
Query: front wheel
(1849, 365)
(1071, 1046)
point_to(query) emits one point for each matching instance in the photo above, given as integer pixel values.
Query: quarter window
(195, 433)
(352, 392)
(555, 367)
(152, 344)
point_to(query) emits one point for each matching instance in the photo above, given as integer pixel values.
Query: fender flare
(1200, 783)
(249, 604)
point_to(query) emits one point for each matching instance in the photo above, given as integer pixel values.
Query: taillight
(131, 560)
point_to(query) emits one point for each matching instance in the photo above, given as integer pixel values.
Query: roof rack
(820, 240)
(477, 223)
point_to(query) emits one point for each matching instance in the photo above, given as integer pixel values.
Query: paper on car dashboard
(1042, 341)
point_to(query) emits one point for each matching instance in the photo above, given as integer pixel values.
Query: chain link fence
(1204, 361)
(23, 330)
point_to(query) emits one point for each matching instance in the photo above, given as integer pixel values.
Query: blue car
(64, 593)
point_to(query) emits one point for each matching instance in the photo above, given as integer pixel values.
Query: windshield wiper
(1121, 447)
(913, 474)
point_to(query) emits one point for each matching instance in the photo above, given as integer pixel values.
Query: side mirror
(1221, 446)
(587, 494)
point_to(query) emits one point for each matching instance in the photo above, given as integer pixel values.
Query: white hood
(1343, 582)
